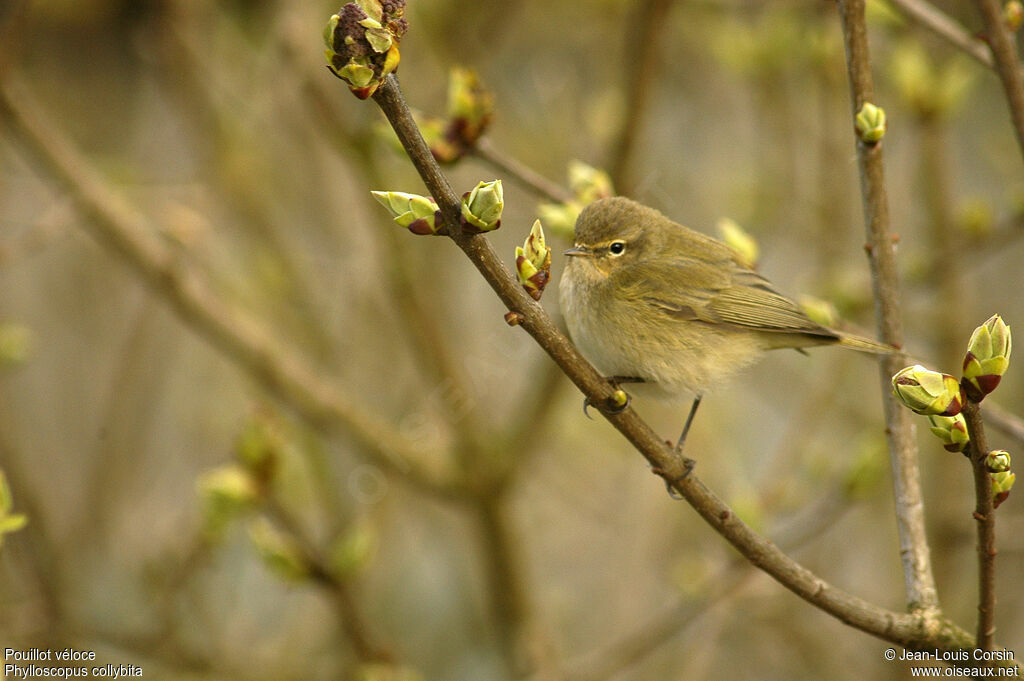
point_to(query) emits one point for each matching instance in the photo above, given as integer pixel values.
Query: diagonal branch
(1004, 52)
(945, 27)
(921, 629)
(906, 479)
(238, 335)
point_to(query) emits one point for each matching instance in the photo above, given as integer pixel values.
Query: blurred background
(451, 514)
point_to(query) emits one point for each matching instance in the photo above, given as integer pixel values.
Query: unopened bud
(481, 208)
(1002, 483)
(533, 262)
(987, 358)
(870, 123)
(588, 183)
(998, 461)
(416, 213)
(952, 430)
(928, 392)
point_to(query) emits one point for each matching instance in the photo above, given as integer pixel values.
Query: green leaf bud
(987, 358)
(870, 123)
(533, 262)
(952, 430)
(998, 461)
(928, 392)
(1002, 483)
(482, 207)
(418, 214)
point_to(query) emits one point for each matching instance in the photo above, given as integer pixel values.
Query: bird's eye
(617, 247)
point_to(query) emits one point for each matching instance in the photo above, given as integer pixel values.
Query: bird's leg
(688, 464)
(613, 408)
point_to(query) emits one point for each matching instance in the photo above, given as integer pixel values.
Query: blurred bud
(278, 551)
(470, 109)
(533, 262)
(974, 217)
(9, 522)
(1013, 15)
(588, 183)
(560, 218)
(15, 344)
(1002, 483)
(481, 208)
(997, 461)
(870, 123)
(740, 241)
(386, 672)
(952, 430)
(820, 311)
(987, 358)
(417, 213)
(354, 550)
(928, 392)
(259, 446)
(225, 493)
(928, 88)
(362, 43)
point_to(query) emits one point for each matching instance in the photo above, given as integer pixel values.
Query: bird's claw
(671, 482)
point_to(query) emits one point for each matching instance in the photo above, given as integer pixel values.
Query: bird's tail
(867, 345)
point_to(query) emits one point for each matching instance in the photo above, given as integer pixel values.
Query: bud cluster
(941, 397)
(469, 112)
(362, 43)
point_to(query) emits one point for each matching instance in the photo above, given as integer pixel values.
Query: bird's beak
(577, 250)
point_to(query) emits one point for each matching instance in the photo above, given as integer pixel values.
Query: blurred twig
(945, 27)
(918, 629)
(523, 174)
(640, 70)
(1007, 64)
(984, 514)
(922, 596)
(241, 337)
(354, 625)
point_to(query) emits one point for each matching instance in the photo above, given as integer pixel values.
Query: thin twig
(945, 27)
(917, 568)
(240, 336)
(1004, 52)
(985, 516)
(640, 71)
(913, 630)
(524, 175)
(353, 624)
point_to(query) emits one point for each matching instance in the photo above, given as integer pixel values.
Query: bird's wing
(719, 291)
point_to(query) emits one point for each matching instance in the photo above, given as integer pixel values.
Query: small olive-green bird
(649, 300)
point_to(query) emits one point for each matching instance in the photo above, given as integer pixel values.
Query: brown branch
(932, 18)
(237, 334)
(917, 569)
(524, 175)
(921, 629)
(1004, 51)
(985, 516)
